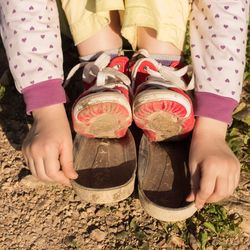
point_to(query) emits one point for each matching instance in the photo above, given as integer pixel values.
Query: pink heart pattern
(30, 34)
(216, 42)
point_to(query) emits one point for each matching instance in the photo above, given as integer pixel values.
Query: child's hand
(214, 169)
(48, 146)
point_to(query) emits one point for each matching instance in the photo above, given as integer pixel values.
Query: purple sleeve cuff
(214, 106)
(44, 94)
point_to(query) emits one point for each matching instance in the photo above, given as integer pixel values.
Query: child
(31, 35)
(218, 40)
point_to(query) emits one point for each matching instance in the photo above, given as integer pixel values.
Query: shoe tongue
(91, 69)
(168, 61)
(142, 60)
(172, 64)
(120, 63)
(167, 58)
(134, 59)
(142, 72)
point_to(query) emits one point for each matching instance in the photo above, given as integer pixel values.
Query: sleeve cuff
(44, 94)
(214, 106)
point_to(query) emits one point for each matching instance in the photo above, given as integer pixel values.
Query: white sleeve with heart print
(31, 36)
(218, 32)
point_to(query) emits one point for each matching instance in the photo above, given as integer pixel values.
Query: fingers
(43, 146)
(52, 168)
(219, 168)
(44, 164)
(214, 180)
(29, 160)
(224, 188)
(31, 166)
(195, 179)
(221, 190)
(233, 181)
(40, 170)
(66, 159)
(207, 185)
(191, 196)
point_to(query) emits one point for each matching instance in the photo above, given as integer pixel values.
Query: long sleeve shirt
(218, 30)
(218, 45)
(31, 36)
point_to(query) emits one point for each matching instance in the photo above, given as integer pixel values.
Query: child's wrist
(52, 111)
(210, 127)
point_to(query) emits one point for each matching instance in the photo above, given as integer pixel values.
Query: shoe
(106, 168)
(161, 108)
(163, 180)
(103, 110)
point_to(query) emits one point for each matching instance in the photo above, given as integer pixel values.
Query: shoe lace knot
(99, 71)
(164, 76)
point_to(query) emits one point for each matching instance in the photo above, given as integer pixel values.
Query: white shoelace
(165, 76)
(106, 77)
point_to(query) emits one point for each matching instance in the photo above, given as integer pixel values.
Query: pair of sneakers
(117, 92)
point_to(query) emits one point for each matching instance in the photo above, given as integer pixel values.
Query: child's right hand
(214, 169)
(48, 146)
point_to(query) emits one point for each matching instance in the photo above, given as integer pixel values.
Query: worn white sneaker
(103, 109)
(161, 108)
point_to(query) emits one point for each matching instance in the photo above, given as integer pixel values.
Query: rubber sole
(164, 180)
(106, 168)
(162, 114)
(102, 115)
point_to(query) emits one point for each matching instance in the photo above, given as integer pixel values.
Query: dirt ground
(38, 216)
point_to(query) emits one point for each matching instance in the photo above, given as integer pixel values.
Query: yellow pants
(167, 17)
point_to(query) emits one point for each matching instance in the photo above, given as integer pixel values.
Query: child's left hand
(48, 146)
(214, 169)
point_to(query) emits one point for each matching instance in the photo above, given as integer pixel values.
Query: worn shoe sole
(106, 168)
(102, 115)
(163, 114)
(163, 180)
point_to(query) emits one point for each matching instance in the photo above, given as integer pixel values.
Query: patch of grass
(2, 91)
(205, 228)
(74, 244)
(247, 68)
(238, 136)
(129, 248)
(238, 139)
(136, 230)
(5, 80)
(213, 222)
(186, 48)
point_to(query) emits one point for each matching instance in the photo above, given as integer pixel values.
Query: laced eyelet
(117, 66)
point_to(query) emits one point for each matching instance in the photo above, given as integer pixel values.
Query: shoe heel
(104, 115)
(106, 168)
